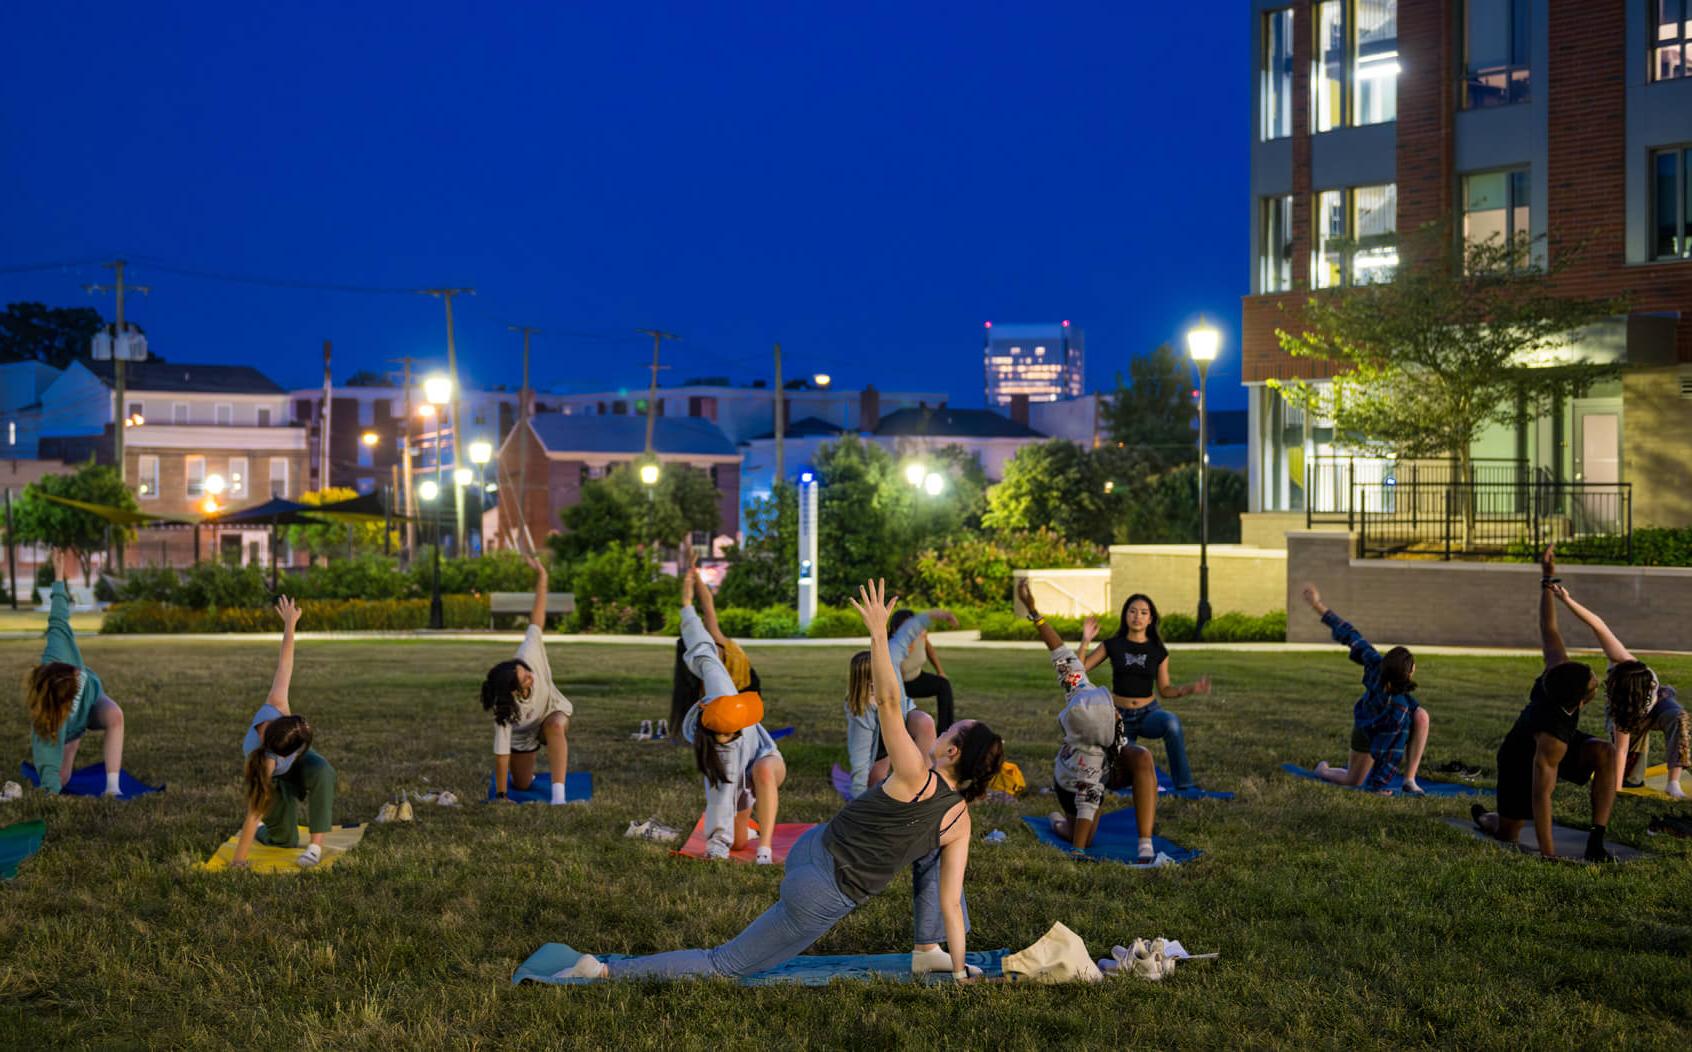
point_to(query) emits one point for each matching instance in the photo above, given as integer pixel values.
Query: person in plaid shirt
(1387, 721)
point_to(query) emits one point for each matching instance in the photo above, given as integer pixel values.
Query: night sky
(865, 185)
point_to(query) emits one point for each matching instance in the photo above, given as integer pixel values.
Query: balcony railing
(1337, 489)
(1456, 519)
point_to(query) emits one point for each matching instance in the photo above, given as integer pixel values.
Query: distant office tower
(1041, 361)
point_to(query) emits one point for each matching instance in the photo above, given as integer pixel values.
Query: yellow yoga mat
(267, 859)
(1656, 783)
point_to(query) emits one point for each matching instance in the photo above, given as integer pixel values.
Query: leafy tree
(333, 540)
(619, 588)
(621, 508)
(54, 335)
(765, 570)
(1164, 508)
(1427, 362)
(1154, 413)
(1056, 484)
(37, 520)
(855, 516)
(977, 570)
(366, 378)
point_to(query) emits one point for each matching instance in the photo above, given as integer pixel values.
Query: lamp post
(1202, 343)
(437, 389)
(481, 451)
(427, 491)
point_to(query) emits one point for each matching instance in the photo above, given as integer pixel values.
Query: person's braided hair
(1630, 690)
(499, 691)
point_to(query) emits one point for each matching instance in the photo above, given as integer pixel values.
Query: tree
(55, 336)
(855, 522)
(37, 520)
(1056, 484)
(765, 570)
(331, 539)
(620, 508)
(1153, 414)
(366, 378)
(1164, 508)
(1428, 361)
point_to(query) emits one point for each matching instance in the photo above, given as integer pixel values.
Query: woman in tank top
(1139, 670)
(918, 817)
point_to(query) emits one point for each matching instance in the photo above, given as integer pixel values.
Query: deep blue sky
(864, 182)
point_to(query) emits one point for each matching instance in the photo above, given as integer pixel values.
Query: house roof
(953, 423)
(805, 427)
(686, 435)
(200, 379)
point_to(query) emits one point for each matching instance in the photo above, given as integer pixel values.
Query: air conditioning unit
(127, 346)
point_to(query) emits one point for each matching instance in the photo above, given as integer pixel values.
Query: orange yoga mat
(786, 835)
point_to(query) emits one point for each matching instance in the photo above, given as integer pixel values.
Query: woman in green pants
(282, 770)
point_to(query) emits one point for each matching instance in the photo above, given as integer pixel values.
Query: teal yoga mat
(18, 842)
(805, 970)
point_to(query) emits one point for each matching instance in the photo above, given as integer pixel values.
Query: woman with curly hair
(66, 699)
(528, 708)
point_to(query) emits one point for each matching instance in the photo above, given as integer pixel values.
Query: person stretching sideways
(66, 699)
(528, 707)
(1387, 723)
(743, 769)
(1093, 756)
(282, 770)
(1635, 702)
(686, 689)
(1547, 745)
(866, 749)
(918, 816)
(1139, 669)
(920, 684)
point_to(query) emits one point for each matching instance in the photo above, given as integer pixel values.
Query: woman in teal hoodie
(66, 698)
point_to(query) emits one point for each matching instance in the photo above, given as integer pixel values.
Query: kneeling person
(528, 708)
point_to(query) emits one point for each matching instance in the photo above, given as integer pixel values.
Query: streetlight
(649, 473)
(933, 483)
(215, 485)
(428, 490)
(822, 379)
(915, 473)
(437, 390)
(1202, 343)
(370, 438)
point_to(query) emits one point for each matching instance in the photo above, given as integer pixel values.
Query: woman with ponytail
(66, 699)
(528, 708)
(918, 816)
(282, 771)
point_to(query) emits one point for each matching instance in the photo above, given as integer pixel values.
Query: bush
(318, 615)
(1247, 628)
(735, 621)
(1181, 628)
(361, 577)
(619, 589)
(1652, 546)
(833, 623)
(157, 584)
(775, 622)
(1005, 625)
(215, 584)
(977, 570)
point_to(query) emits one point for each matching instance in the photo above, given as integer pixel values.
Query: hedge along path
(110, 936)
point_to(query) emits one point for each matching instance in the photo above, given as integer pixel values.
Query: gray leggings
(811, 903)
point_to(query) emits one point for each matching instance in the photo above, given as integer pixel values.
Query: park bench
(523, 602)
(82, 597)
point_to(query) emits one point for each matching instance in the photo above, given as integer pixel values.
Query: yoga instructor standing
(919, 816)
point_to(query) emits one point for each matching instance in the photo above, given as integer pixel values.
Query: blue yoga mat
(554, 957)
(1117, 838)
(781, 732)
(578, 788)
(841, 779)
(1166, 787)
(18, 842)
(1429, 786)
(91, 781)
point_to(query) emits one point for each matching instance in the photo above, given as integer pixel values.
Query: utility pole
(410, 502)
(780, 411)
(525, 409)
(658, 338)
(323, 447)
(446, 296)
(120, 412)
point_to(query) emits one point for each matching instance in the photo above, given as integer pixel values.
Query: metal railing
(1337, 489)
(1447, 519)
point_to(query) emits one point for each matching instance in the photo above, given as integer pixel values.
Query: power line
(25, 268)
(281, 283)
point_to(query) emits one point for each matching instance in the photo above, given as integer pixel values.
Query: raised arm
(1090, 658)
(290, 614)
(537, 612)
(1048, 634)
(909, 767)
(1165, 689)
(1345, 635)
(1550, 640)
(61, 639)
(1613, 648)
(707, 608)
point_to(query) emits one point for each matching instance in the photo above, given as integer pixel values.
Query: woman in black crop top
(1139, 669)
(919, 817)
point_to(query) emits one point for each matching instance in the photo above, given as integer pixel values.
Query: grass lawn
(1342, 919)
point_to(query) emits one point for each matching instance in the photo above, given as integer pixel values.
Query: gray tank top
(875, 836)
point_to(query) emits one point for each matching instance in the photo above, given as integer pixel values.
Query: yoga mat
(1571, 843)
(1166, 787)
(1656, 784)
(786, 835)
(841, 779)
(781, 732)
(91, 781)
(1429, 786)
(266, 859)
(1117, 838)
(578, 788)
(554, 957)
(18, 842)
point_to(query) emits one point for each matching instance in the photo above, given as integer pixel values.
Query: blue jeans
(811, 903)
(1154, 721)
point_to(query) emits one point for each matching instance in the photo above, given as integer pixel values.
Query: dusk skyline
(867, 190)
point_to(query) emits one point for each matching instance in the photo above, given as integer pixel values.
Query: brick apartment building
(1570, 119)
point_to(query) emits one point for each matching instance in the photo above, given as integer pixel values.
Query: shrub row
(318, 615)
(363, 577)
(1174, 628)
(1652, 546)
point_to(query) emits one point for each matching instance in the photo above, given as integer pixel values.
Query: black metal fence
(1450, 518)
(1336, 489)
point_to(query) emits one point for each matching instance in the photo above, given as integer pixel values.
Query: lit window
(194, 468)
(1495, 208)
(1355, 236)
(147, 476)
(237, 477)
(1327, 88)
(1277, 74)
(1275, 261)
(1671, 44)
(1497, 53)
(1375, 72)
(1671, 204)
(278, 477)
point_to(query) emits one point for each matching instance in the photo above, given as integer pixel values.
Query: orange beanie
(731, 712)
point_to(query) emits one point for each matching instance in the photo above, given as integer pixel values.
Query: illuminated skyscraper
(1041, 361)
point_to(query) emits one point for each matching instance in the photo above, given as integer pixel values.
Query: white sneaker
(11, 791)
(765, 857)
(587, 966)
(663, 834)
(311, 856)
(638, 829)
(645, 732)
(388, 813)
(447, 799)
(662, 731)
(717, 847)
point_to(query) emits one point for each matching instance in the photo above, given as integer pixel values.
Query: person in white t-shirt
(528, 708)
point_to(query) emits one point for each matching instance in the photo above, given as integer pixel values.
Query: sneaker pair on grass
(717, 848)
(400, 812)
(649, 733)
(653, 830)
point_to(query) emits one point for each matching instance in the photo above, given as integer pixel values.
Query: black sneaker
(1674, 825)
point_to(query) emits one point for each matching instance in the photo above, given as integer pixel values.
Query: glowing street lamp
(428, 489)
(915, 473)
(215, 485)
(822, 379)
(463, 476)
(1203, 341)
(933, 483)
(481, 451)
(370, 438)
(437, 388)
(649, 473)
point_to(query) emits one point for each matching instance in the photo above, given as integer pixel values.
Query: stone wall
(1242, 579)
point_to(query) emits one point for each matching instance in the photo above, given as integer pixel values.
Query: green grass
(1342, 919)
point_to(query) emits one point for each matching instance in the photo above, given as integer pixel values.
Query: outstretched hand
(1089, 629)
(943, 617)
(1548, 561)
(873, 606)
(1314, 598)
(1026, 595)
(1202, 685)
(535, 564)
(288, 610)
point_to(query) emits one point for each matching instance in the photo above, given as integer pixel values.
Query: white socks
(1674, 790)
(935, 960)
(765, 857)
(311, 856)
(112, 783)
(1147, 851)
(558, 792)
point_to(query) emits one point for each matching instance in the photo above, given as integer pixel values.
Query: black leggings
(932, 685)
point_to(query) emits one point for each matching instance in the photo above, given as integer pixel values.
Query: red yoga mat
(786, 835)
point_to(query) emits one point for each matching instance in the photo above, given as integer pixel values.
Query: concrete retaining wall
(1068, 593)
(1242, 579)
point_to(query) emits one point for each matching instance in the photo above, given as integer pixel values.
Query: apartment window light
(1670, 35)
(1671, 203)
(1276, 248)
(1277, 74)
(1355, 236)
(1375, 69)
(1496, 207)
(1497, 53)
(1327, 85)
(194, 469)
